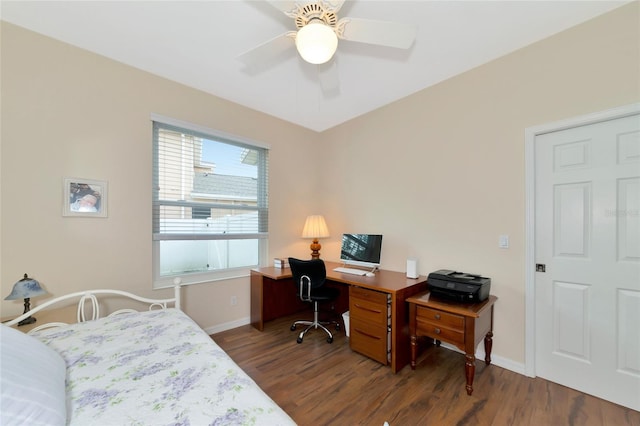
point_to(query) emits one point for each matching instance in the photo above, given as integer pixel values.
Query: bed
(155, 367)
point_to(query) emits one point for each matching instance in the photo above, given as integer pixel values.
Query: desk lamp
(25, 289)
(315, 227)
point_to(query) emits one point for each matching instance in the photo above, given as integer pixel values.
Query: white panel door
(587, 234)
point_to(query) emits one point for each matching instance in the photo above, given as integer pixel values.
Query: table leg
(488, 344)
(414, 351)
(470, 371)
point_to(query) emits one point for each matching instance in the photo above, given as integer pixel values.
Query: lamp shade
(316, 42)
(315, 227)
(25, 288)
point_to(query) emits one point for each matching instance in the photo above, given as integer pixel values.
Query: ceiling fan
(318, 32)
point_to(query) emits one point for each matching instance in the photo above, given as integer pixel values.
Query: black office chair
(309, 277)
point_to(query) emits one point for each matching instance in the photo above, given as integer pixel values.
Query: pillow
(32, 379)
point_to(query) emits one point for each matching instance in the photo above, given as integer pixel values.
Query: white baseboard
(497, 360)
(227, 326)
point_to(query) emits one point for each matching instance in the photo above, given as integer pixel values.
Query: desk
(273, 295)
(463, 325)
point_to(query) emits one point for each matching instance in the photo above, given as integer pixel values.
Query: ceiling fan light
(316, 42)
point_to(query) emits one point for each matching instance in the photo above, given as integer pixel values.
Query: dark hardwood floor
(318, 383)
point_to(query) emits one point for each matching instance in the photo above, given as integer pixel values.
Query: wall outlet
(234, 300)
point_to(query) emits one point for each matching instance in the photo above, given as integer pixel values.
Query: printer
(458, 286)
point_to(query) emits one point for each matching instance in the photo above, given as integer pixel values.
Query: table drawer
(436, 316)
(437, 331)
(369, 340)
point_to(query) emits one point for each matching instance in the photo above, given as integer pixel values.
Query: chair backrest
(307, 275)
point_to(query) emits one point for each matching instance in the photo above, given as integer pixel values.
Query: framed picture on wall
(84, 197)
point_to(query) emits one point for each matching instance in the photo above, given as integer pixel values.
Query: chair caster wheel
(337, 327)
(293, 328)
(329, 339)
(299, 340)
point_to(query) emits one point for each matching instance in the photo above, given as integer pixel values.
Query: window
(210, 214)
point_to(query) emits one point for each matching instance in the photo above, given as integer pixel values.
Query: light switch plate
(503, 242)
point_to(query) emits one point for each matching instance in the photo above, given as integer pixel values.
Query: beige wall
(439, 173)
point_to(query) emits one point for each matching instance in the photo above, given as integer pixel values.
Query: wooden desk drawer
(369, 340)
(370, 295)
(369, 305)
(365, 310)
(445, 319)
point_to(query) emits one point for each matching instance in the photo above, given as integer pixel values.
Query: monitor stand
(369, 271)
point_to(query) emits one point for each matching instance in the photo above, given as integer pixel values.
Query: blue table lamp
(25, 289)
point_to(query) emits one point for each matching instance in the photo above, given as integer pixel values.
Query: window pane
(196, 168)
(183, 257)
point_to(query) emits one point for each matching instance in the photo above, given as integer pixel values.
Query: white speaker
(412, 267)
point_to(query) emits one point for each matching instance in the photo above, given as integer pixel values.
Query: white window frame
(209, 276)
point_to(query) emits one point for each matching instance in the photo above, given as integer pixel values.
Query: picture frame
(84, 197)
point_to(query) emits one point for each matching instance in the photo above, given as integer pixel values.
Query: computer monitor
(361, 249)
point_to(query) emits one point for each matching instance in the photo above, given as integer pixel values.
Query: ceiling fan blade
(286, 7)
(328, 76)
(391, 34)
(269, 51)
(335, 5)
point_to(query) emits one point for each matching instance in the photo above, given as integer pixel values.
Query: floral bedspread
(155, 368)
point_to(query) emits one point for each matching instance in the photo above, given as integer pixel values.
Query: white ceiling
(196, 43)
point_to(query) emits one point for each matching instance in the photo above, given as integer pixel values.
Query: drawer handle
(367, 334)
(437, 316)
(437, 330)
(367, 309)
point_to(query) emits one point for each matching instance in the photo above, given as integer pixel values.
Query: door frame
(530, 134)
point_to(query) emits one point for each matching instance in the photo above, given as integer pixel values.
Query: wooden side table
(460, 324)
